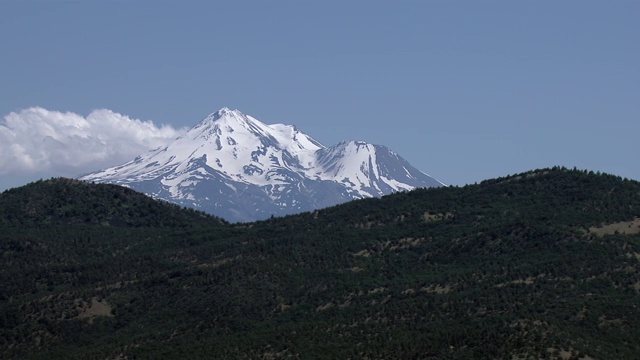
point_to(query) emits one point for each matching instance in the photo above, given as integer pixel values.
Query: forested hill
(547, 197)
(543, 264)
(62, 201)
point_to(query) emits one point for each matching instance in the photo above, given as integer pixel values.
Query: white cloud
(37, 140)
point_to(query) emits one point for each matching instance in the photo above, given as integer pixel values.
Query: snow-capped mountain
(234, 166)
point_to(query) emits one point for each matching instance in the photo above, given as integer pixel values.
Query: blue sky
(464, 90)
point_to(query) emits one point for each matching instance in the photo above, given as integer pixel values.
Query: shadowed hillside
(64, 201)
(543, 264)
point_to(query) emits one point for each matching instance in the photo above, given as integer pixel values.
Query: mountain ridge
(277, 168)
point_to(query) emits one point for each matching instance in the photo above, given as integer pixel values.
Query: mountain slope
(236, 167)
(542, 264)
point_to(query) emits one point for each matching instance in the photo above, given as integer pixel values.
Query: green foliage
(502, 269)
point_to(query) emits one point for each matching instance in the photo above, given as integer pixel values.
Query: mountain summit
(236, 167)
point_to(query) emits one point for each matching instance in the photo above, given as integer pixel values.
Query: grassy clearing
(624, 227)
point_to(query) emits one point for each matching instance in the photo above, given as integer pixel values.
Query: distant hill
(543, 264)
(64, 201)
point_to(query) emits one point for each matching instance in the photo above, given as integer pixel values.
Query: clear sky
(464, 90)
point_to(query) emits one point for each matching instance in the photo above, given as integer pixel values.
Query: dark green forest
(539, 265)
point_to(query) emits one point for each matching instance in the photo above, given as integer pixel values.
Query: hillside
(63, 201)
(543, 264)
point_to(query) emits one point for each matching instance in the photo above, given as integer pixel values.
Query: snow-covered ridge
(230, 152)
